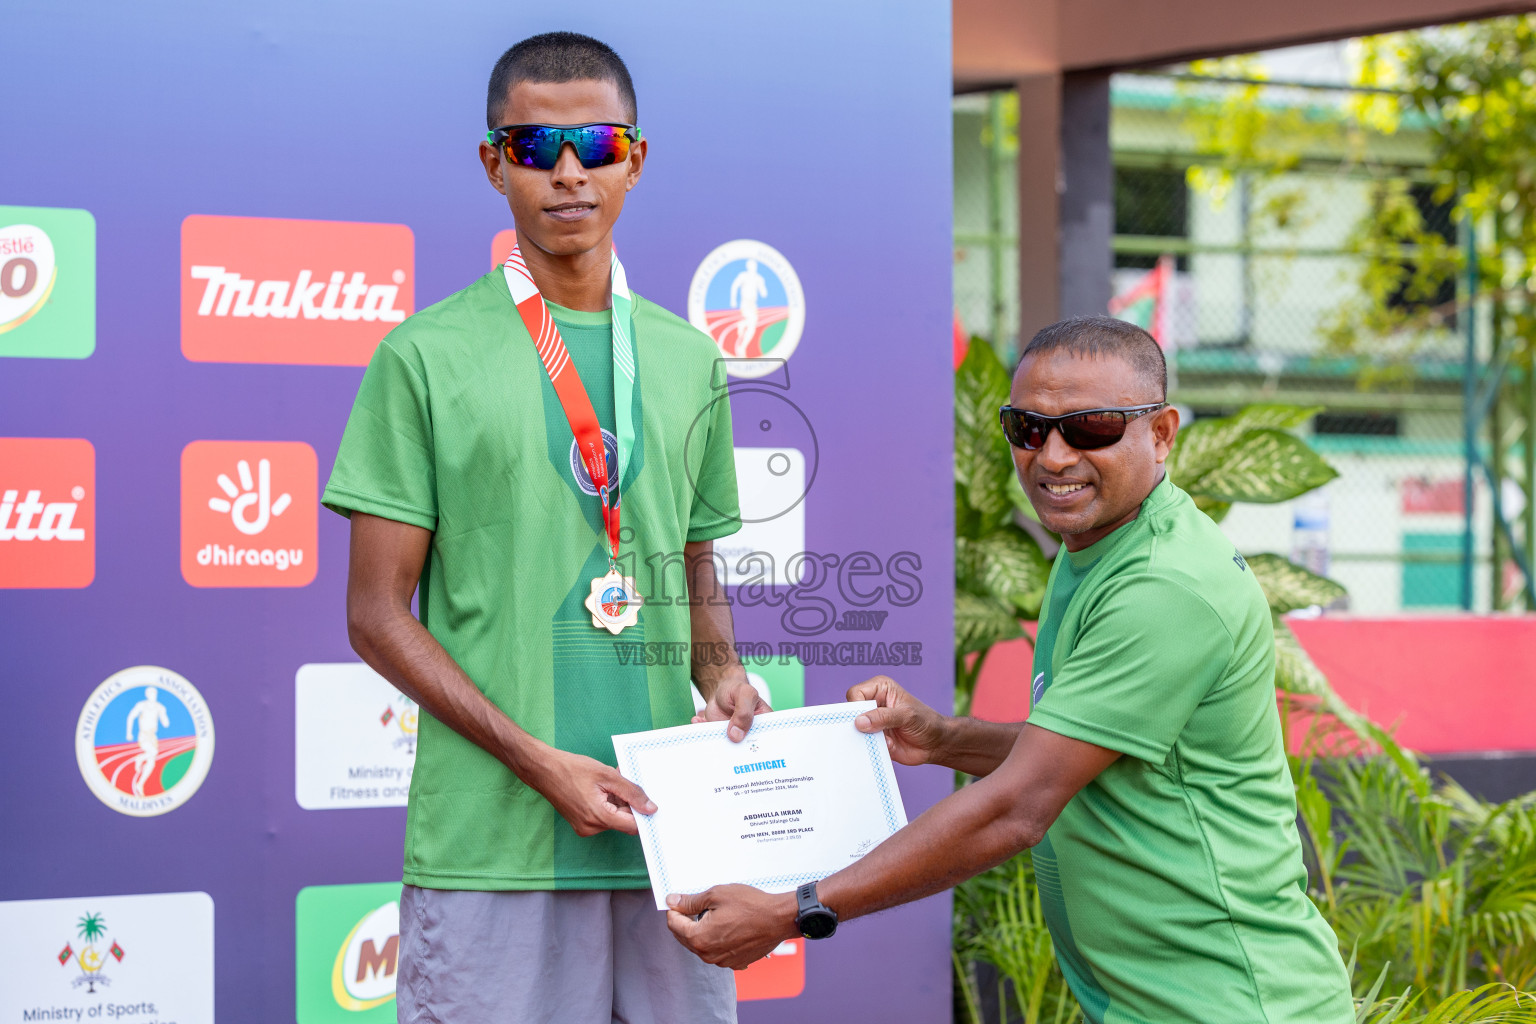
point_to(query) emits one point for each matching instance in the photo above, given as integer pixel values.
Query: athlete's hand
(913, 731)
(588, 794)
(738, 701)
(736, 924)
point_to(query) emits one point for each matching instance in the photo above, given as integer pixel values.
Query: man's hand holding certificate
(804, 795)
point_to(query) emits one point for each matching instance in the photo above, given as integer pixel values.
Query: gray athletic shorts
(576, 957)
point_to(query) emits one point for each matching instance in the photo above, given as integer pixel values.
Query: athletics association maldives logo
(249, 513)
(266, 290)
(144, 741)
(91, 957)
(746, 296)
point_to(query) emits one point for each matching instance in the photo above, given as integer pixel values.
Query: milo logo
(47, 282)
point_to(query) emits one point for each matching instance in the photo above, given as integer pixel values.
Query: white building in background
(1261, 268)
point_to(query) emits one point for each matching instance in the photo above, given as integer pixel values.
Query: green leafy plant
(1000, 571)
(998, 921)
(1432, 887)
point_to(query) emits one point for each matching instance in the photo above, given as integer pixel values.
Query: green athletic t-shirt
(1173, 883)
(457, 429)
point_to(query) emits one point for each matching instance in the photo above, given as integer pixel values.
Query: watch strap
(805, 899)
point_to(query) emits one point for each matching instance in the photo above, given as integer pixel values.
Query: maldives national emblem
(92, 932)
(614, 602)
(402, 711)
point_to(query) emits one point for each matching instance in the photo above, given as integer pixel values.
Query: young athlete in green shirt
(1150, 780)
(476, 464)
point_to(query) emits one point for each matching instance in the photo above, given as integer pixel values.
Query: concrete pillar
(1038, 186)
(1087, 195)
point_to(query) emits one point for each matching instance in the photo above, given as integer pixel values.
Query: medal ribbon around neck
(575, 402)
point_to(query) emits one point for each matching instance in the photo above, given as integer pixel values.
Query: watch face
(818, 924)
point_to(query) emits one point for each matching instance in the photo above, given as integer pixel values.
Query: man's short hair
(557, 57)
(1096, 336)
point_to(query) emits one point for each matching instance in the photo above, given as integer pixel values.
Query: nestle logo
(265, 290)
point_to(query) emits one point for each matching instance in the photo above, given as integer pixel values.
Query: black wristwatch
(814, 920)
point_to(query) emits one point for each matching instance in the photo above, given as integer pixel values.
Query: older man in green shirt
(1150, 780)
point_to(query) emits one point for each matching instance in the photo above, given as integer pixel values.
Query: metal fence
(1245, 276)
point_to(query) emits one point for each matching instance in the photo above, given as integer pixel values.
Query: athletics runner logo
(144, 741)
(614, 602)
(91, 957)
(746, 296)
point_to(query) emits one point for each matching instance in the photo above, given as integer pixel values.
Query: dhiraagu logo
(348, 949)
(47, 282)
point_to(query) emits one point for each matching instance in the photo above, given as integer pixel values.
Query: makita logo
(264, 290)
(47, 512)
(344, 297)
(35, 520)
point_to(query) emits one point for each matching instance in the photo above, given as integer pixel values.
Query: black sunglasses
(1085, 431)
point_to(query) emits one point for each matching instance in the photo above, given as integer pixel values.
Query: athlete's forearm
(398, 647)
(713, 657)
(384, 568)
(962, 835)
(980, 825)
(976, 747)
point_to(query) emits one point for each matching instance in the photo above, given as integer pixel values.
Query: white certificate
(804, 795)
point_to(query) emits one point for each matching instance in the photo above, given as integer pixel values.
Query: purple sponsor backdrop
(820, 129)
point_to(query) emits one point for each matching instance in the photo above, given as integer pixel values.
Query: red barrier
(1452, 684)
(1449, 684)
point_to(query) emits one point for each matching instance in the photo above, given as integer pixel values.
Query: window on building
(1437, 218)
(1368, 424)
(1150, 202)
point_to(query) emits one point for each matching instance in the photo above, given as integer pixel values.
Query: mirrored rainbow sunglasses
(539, 145)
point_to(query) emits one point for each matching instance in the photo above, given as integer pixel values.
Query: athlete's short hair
(1095, 336)
(557, 57)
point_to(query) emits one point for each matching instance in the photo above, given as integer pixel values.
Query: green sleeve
(1146, 656)
(385, 465)
(716, 510)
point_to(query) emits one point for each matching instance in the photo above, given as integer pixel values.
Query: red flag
(388, 714)
(116, 951)
(1156, 285)
(65, 954)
